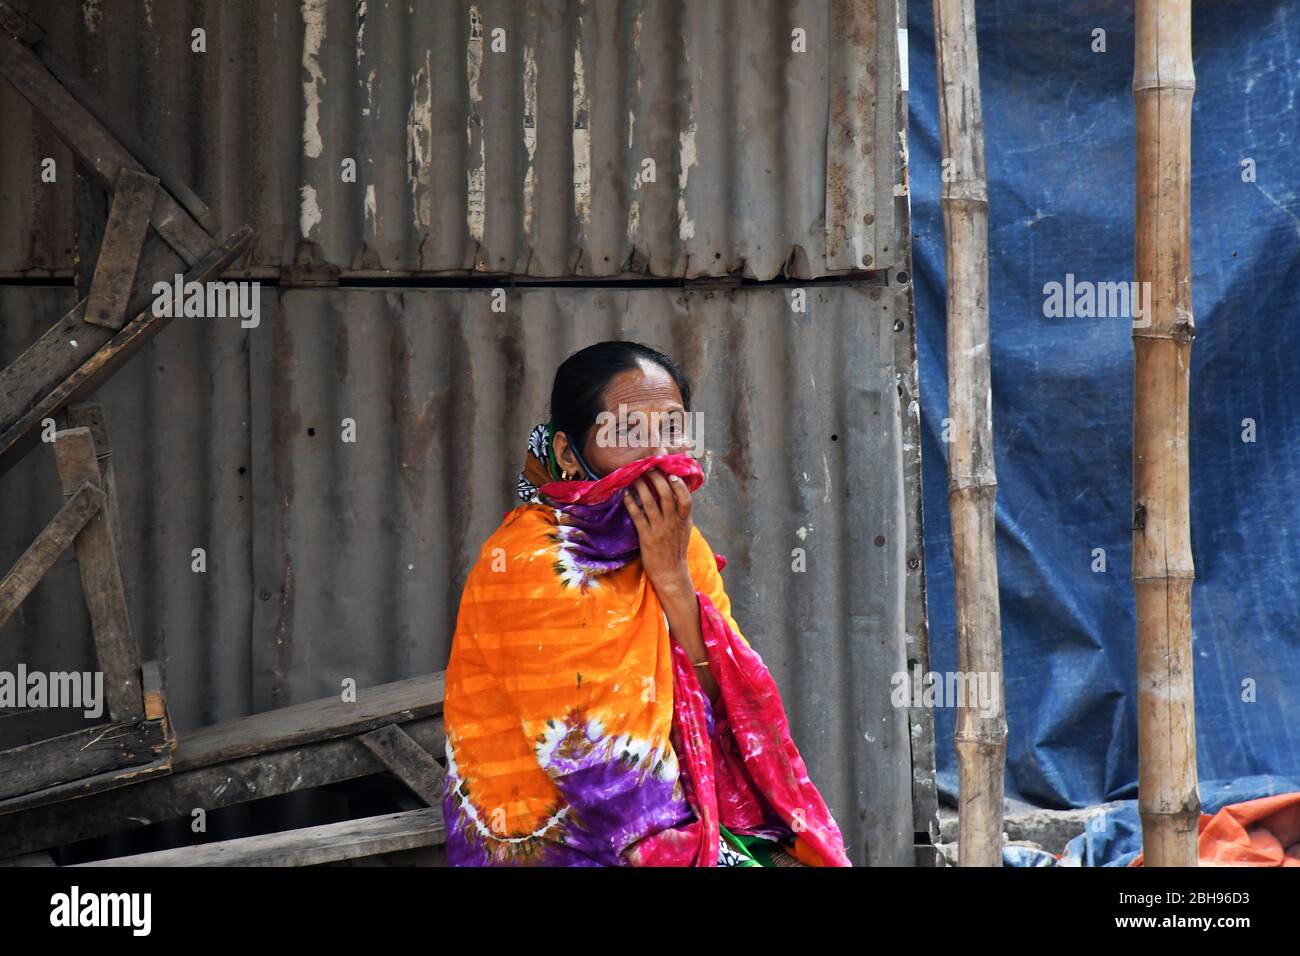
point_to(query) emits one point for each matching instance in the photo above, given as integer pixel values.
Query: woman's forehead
(647, 384)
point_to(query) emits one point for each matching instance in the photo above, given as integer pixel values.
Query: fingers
(638, 519)
(647, 500)
(668, 501)
(682, 495)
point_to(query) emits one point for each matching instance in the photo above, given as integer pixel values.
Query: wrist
(676, 585)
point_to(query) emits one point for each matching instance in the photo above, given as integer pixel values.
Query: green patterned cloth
(739, 849)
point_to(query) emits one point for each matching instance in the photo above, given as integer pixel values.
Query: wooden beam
(43, 819)
(26, 395)
(83, 753)
(310, 846)
(19, 726)
(980, 737)
(59, 793)
(85, 94)
(119, 252)
(30, 859)
(90, 206)
(409, 762)
(93, 145)
(92, 416)
(375, 707)
(101, 582)
(1164, 82)
(40, 556)
(20, 24)
(155, 704)
(70, 342)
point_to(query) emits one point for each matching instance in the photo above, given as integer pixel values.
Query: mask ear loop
(553, 466)
(591, 475)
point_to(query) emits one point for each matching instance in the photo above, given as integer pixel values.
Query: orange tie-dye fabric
(560, 717)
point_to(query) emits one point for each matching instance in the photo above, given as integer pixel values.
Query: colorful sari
(577, 730)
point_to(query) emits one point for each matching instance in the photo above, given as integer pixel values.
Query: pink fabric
(597, 492)
(747, 774)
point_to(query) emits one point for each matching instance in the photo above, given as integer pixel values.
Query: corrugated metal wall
(528, 160)
(327, 559)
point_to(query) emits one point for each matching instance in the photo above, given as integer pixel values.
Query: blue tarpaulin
(1059, 136)
(1114, 837)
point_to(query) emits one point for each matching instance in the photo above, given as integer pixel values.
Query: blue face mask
(591, 475)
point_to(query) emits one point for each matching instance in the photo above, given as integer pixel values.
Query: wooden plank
(92, 416)
(20, 24)
(19, 726)
(396, 702)
(309, 846)
(40, 556)
(21, 414)
(119, 252)
(410, 762)
(155, 707)
(30, 859)
(82, 753)
(101, 582)
(71, 341)
(87, 138)
(46, 821)
(32, 33)
(90, 205)
(58, 794)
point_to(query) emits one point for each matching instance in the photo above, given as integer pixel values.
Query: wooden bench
(395, 727)
(309, 846)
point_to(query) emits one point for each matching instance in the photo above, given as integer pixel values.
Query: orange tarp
(1263, 832)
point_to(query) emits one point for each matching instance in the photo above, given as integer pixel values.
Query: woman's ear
(564, 456)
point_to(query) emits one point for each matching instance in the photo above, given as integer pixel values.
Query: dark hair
(577, 395)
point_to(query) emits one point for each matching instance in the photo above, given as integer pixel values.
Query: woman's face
(643, 416)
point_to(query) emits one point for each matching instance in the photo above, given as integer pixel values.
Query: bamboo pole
(972, 483)
(1163, 84)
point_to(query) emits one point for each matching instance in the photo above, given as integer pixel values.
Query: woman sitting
(602, 707)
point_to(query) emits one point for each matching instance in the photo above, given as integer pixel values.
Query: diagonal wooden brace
(46, 549)
(103, 155)
(101, 580)
(410, 762)
(50, 375)
(119, 254)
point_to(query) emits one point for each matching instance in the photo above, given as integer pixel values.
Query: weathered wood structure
(157, 228)
(392, 728)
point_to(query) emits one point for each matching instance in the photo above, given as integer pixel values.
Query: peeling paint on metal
(581, 141)
(313, 24)
(686, 159)
(774, 190)
(419, 144)
(530, 134)
(91, 12)
(309, 214)
(476, 173)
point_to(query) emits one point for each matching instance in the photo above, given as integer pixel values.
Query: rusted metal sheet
(328, 559)
(550, 139)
